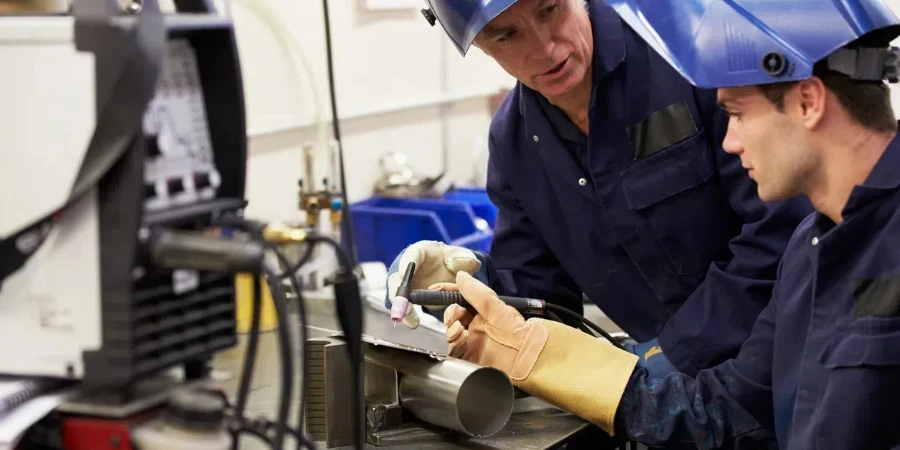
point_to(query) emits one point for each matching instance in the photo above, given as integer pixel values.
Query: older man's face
(545, 44)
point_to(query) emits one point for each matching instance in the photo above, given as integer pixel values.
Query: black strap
(867, 64)
(119, 123)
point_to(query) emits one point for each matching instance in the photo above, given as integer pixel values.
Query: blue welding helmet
(727, 43)
(463, 19)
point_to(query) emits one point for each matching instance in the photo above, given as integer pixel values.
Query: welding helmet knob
(429, 16)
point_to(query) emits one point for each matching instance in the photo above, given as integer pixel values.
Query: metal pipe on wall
(444, 108)
(451, 393)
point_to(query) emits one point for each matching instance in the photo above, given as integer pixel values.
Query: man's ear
(810, 97)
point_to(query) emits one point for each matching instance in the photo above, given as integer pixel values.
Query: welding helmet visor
(462, 20)
(728, 43)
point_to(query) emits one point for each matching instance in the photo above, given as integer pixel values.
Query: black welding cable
(342, 256)
(304, 351)
(301, 438)
(250, 353)
(576, 317)
(347, 224)
(178, 248)
(279, 300)
(254, 432)
(292, 269)
(552, 316)
(262, 429)
(348, 303)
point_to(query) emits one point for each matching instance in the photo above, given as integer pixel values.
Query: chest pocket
(872, 337)
(867, 342)
(862, 385)
(669, 189)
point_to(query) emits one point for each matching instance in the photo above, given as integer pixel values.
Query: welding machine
(124, 120)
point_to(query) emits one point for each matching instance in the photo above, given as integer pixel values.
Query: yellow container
(244, 311)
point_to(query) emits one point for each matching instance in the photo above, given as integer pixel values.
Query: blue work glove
(652, 358)
(436, 262)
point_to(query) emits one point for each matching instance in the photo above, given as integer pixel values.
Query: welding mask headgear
(463, 19)
(715, 43)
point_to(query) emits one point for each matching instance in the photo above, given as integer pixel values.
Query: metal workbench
(533, 425)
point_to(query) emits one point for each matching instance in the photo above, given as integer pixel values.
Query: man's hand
(436, 262)
(496, 335)
(552, 361)
(652, 358)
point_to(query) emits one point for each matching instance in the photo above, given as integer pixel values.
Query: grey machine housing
(142, 319)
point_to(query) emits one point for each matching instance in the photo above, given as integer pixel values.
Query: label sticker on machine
(184, 281)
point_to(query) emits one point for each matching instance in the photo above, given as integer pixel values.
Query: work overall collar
(883, 180)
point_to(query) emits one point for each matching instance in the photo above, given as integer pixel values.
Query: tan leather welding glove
(436, 262)
(552, 361)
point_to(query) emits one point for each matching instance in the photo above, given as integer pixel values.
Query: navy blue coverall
(647, 215)
(822, 365)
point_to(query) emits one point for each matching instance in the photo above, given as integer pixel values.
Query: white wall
(400, 84)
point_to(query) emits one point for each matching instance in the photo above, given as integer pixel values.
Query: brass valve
(280, 233)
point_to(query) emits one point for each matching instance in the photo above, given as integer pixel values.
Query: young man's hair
(868, 103)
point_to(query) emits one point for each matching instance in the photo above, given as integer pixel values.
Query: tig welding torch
(443, 299)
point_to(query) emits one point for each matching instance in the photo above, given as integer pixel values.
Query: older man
(610, 179)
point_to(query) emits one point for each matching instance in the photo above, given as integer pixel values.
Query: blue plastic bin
(479, 201)
(384, 226)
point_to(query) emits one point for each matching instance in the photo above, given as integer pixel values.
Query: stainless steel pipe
(451, 393)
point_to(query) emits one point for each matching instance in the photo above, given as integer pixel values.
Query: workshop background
(400, 84)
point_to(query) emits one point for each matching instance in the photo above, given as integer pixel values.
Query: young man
(611, 182)
(808, 115)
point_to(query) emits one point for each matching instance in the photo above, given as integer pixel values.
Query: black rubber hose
(343, 258)
(256, 433)
(348, 303)
(250, 354)
(336, 125)
(279, 299)
(293, 268)
(575, 316)
(552, 316)
(304, 351)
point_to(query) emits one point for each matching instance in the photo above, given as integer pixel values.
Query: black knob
(774, 64)
(196, 409)
(429, 16)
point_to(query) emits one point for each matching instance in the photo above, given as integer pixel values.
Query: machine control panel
(180, 166)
